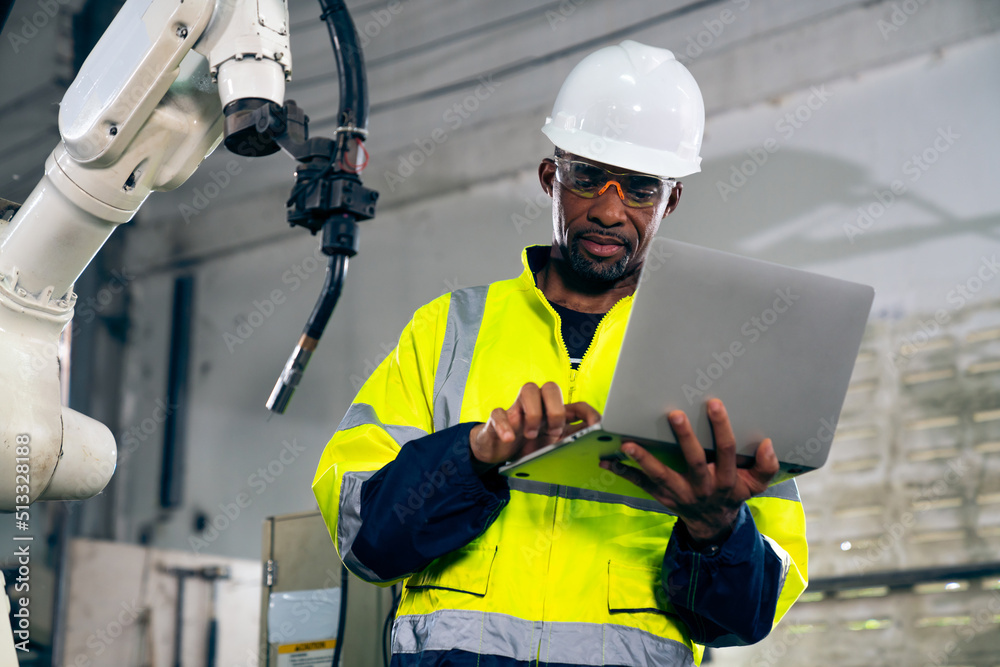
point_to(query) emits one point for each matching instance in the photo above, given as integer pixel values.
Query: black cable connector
(343, 616)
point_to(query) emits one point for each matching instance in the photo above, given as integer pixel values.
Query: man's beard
(596, 272)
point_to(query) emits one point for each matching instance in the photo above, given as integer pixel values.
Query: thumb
(765, 467)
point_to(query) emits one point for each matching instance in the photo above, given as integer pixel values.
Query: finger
(765, 467)
(632, 475)
(573, 428)
(529, 399)
(555, 411)
(501, 427)
(495, 439)
(531, 446)
(661, 475)
(636, 477)
(515, 417)
(694, 455)
(725, 445)
(582, 412)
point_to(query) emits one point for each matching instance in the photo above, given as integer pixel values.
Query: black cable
(333, 210)
(5, 7)
(343, 617)
(332, 287)
(387, 626)
(353, 112)
(385, 639)
(350, 64)
(311, 23)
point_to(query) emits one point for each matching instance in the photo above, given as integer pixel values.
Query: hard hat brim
(619, 153)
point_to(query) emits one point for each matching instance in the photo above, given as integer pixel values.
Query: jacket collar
(534, 258)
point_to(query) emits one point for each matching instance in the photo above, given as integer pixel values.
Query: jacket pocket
(466, 570)
(633, 589)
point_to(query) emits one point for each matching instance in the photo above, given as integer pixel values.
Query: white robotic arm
(156, 95)
(143, 113)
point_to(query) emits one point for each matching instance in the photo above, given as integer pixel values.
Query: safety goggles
(588, 181)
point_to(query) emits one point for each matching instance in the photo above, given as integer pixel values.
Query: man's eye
(643, 189)
(588, 175)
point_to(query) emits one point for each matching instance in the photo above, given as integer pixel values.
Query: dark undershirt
(577, 328)
(577, 331)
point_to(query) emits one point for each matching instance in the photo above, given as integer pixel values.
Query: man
(506, 572)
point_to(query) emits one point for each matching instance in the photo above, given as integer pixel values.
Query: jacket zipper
(562, 343)
(559, 338)
(593, 342)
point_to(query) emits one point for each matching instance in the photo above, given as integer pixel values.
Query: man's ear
(547, 175)
(675, 196)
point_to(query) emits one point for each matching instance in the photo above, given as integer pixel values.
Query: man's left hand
(706, 496)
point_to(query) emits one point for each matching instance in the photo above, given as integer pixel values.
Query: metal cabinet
(299, 556)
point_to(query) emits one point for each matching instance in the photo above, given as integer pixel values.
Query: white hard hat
(632, 106)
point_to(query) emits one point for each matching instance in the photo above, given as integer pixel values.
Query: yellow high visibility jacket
(542, 574)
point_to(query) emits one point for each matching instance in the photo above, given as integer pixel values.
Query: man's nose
(608, 207)
(608, 185)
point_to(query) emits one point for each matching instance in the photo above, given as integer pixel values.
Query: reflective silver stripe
(488, 633)
(474, 631)
(530, 486)
(465, 315)
(581, 644)
(787, 490)
(363, 414)
(786, 560)
(573, 493)
(349, 522)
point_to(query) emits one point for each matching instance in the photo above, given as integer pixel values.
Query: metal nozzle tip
(291, 374)
(277, 402)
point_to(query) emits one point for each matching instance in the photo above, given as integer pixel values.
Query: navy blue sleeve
(729, 597)
(425, 503)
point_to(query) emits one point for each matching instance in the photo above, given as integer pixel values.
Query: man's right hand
(537, 419)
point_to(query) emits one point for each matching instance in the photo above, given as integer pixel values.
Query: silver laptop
(777, 345)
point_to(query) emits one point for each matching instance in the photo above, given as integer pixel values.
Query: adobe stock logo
(702, 41)
(47, 10)
(752, 330)
(786, 126)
